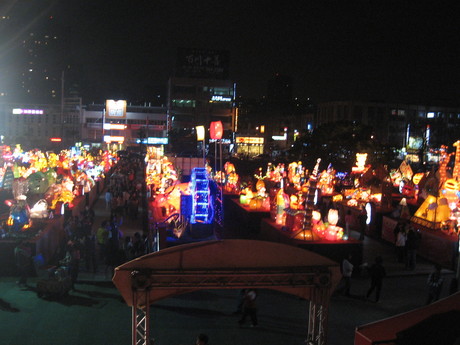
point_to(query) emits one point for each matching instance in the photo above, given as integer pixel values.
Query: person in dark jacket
(412, 244)
(377, 273)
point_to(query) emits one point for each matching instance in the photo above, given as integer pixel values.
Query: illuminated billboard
(115, 109)
(250, 140)
(113, 139)
(116, 126)
(19, 111)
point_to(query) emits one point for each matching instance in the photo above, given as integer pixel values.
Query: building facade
(138, 124)
(398, 125)
(31, 125)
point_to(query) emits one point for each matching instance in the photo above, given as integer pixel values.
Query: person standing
(362, 218)
(23, 260)
(412, 243)
(435, 281)
(377, 272)
(249, 308)
(108, 199)
(401, 244)
(347, 270)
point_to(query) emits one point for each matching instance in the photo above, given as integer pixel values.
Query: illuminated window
(430, 115)
(182, 103)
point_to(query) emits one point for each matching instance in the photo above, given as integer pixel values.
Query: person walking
(377, 273)
(435, 282)
(249, 308)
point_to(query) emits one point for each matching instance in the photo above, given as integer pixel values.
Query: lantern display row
(57, 178)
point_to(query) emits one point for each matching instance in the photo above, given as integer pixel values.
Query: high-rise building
(34, 52)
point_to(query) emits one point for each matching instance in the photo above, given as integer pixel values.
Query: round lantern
(216, 130)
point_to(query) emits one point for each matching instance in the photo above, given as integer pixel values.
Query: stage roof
(228, 264)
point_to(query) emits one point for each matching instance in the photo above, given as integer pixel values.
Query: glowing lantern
(200, 133)
(216, 130)
(360, 162)
(451, 185)
(417, 178)
(333, 216)
(337, 198)
(255, 203)
(316, 216)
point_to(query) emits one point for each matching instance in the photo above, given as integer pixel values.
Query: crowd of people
(93, 246)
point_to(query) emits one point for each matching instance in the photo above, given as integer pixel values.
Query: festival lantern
(417, 178)
(360, 163)
(333, 216)
(200, 133)
(216, 130)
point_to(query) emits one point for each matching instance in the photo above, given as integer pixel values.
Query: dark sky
(369, 50)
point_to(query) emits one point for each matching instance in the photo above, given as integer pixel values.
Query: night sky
(358, 50)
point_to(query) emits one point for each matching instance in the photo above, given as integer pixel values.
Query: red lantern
(216, 130)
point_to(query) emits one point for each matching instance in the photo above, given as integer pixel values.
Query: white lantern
(333, 216)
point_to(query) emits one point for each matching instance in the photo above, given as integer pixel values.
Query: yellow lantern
(417, 178)
(451, 185)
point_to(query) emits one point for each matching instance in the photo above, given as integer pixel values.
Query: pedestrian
(412, 244)
(435, 281)
(362, 219)
(249, 308)
(23, 260)
(72, 259)
(347, 270)
(377, 273)
(202, 339)
(239, 307)
(90, 253)
(108, 199)
(401, 244)
(102, 236)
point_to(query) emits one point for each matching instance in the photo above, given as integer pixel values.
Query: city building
(198, 94)
(36, 54)
(31, 125)
(122, 125)
(408, 127)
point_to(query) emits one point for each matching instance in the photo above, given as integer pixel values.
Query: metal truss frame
(316, 278)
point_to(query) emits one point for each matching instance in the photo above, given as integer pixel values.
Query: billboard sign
(115, 109)
(202, 63)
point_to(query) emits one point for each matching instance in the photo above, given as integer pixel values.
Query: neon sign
(19, 111)
(111, 139)
(117, 126)
(218, 98)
